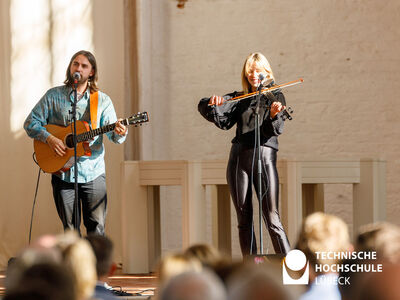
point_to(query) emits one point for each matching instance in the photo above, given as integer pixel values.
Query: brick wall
(346, 51)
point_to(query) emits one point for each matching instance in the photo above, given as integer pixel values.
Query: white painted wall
(108, 41)
(19, 173)
(346, 51)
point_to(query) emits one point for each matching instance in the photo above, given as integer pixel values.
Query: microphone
(76, 76)
(261, 78)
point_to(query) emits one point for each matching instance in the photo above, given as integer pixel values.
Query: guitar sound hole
(69, 141)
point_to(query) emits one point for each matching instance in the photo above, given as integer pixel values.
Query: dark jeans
(92, 201)
(240, 172)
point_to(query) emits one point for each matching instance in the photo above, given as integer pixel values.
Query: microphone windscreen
(77, 76)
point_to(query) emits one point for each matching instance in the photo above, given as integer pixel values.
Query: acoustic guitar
(50, 162)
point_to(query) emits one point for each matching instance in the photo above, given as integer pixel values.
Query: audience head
(175, 264)
(45, 241)
(78, 256)
(67, 252)
(382, 237)
(36, 253)
(103, 250)
(383, 285)
(323, 233)
(226, 268)
(206, 254)
(193, 286)
(356, 279)
(43, 281)
(258, 282)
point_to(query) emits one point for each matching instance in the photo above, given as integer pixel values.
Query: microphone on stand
(261, 78)
(76, 77)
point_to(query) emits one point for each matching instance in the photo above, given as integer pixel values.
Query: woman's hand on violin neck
(276, 107)
(216, 100)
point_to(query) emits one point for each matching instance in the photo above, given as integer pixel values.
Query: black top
(242, 113)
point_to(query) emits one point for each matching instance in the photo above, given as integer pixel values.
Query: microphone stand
(259, 165)
(76, 200)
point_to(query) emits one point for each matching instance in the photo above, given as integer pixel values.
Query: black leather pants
(239, 176)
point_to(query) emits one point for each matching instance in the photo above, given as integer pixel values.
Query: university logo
(295, 261)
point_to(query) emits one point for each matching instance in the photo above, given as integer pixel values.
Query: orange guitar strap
(94, 100)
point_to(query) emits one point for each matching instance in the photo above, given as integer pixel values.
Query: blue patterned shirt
(54, 108)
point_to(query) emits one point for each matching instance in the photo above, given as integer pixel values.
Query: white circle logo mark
(295, 260)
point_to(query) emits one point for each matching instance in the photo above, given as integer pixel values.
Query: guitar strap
(94, 100)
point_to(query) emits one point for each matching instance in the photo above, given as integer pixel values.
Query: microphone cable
(34, 198)
(251, 183)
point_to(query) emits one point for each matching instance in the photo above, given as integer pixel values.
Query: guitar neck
(83, 137)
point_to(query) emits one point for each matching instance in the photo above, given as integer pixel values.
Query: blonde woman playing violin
(242, 170)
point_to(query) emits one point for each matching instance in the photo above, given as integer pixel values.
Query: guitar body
(49, 161)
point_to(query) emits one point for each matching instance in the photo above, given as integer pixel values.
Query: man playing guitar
(54, 108)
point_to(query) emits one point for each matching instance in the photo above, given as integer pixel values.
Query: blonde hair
(206, 254)
(323, 233)
(262, 63)
(78, 256)
(382, 237)
(175, 264)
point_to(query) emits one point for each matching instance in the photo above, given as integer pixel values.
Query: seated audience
(259, 282)
(206, 254)
(175, 264)
(193, 285)
(382, 237)
(78, 257)
(382, 285)
(37, 253)
(103, 250)
(43, 281)
(323, 233)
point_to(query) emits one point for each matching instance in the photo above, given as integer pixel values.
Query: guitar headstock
(139, 118)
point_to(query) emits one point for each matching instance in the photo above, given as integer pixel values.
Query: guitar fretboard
(83, 137)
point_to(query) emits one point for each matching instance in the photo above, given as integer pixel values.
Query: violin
(286, 112)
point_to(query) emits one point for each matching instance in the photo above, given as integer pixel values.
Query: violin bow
(264, 91)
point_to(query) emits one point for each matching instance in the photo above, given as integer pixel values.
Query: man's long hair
(69, 81)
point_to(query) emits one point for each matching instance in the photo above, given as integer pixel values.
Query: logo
(295, 261)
